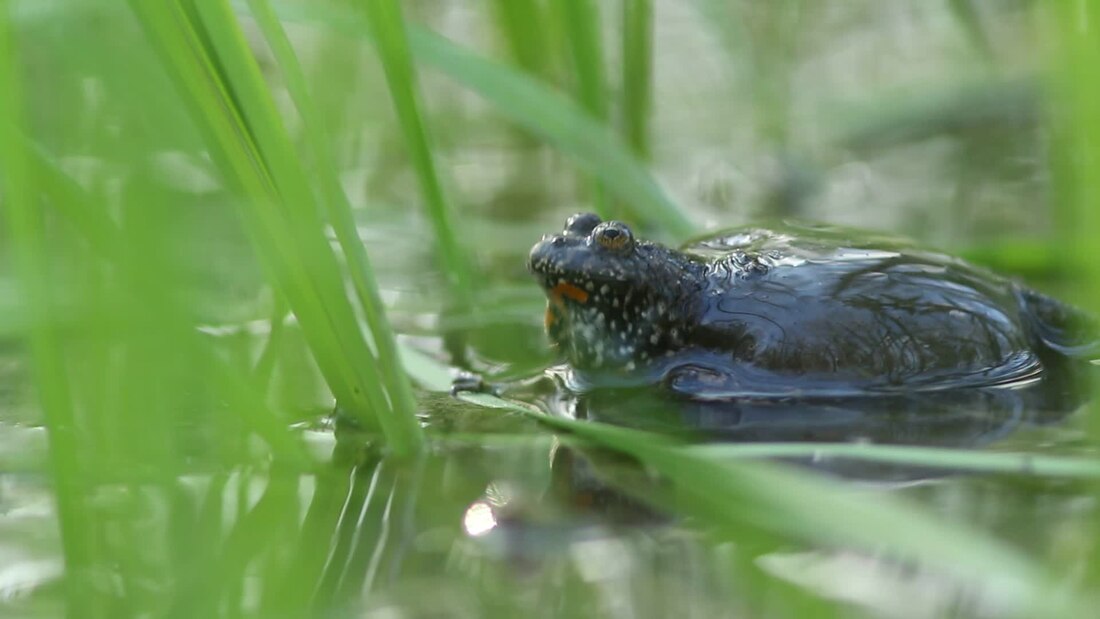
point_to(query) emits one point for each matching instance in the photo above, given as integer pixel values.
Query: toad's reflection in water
(955, 418)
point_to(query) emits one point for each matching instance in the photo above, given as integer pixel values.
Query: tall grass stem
(31, 258)
(637, 74)
(387, 26)
(340, 217)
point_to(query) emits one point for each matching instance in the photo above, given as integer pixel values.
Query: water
(880, 114)
(503, 517)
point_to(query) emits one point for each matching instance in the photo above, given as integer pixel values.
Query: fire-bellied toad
(791, 310)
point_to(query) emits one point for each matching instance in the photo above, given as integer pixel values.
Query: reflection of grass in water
(153, 422)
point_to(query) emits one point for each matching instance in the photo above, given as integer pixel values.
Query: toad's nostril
(557, 241)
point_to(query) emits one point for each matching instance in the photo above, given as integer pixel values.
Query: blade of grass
(581, 19)
(536, 107)
(1074, 82)
(293, 200)
(338, 209)
(395, 412)
(924, 457)
(89, 219)
(388, 29)
(316, 541)
(637, 96)
(26, 238)
(265, 363)
(522, 24)
(163, 313)
(763, 40)
(204, 50)
(173, 34)
(563, 124)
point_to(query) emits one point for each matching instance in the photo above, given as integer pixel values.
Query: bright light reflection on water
(479, 519)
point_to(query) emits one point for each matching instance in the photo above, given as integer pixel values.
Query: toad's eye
(614, 235)
(581, 224)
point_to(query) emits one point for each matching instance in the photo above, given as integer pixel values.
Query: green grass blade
(637, 95)
(203, 48)
(923, 457)
(338, 209)
(582, 29)
(26, 240)
(300, 209)
(170, 30)
(64, 194)
(560, 122)
(265, 363)
(763, 41)
(538, 108)
(88, 218)
(1076, 134)
(581, 19)
(388, 29)
(522, 24)
(1075, 154)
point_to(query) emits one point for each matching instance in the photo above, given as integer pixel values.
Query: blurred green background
(223, 219)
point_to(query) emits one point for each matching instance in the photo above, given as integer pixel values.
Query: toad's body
(796, 309)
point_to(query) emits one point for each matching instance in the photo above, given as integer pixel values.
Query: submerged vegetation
(225, 219)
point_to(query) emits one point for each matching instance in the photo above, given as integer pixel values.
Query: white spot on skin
(605, 289)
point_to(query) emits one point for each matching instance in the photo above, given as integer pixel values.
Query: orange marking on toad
(569, 291)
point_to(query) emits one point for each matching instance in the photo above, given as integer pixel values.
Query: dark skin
(792, 310)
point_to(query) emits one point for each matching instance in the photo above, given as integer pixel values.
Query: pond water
(504, 517)
(890, 115)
